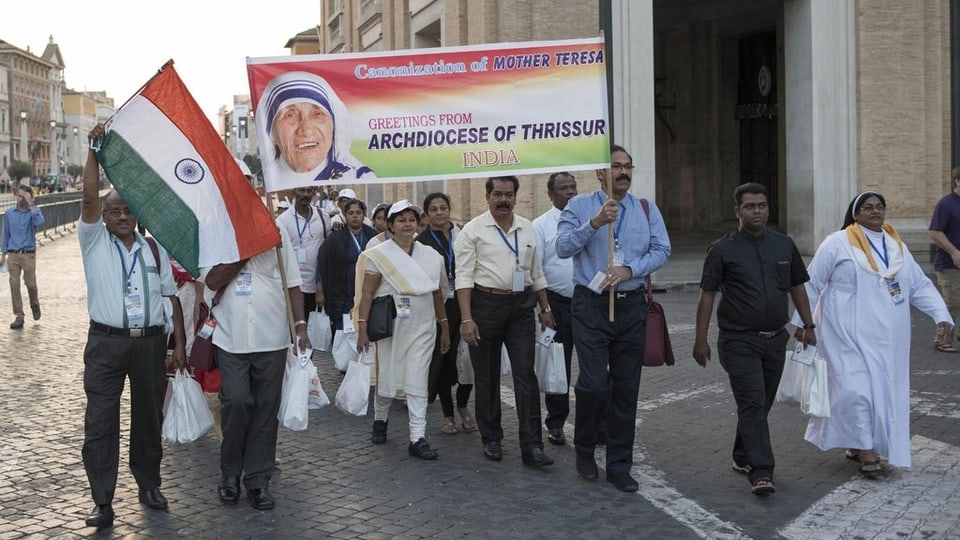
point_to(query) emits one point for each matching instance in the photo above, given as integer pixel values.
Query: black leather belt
(765, 334)
(21, 251)
(127, 332)
(620, 295)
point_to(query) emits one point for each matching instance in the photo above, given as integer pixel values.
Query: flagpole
(611, 293)
(283, 283)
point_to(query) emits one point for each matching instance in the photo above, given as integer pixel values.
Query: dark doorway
(757, 115)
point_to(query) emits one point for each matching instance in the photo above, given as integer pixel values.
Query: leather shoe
(229, 489)
(536, 458)
(17, 323)
(101, 517)
(623, 481)
(492, 451)
(261, 499)
(379, 435)
(556, 436)
(36, 312)
(587, 467)
(421, 449)
(153, 498)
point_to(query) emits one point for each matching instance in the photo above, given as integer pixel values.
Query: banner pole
(283, 283)
(610, 247)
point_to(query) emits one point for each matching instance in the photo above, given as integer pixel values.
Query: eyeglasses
(622, 166)
(117, 212)
(871, 207)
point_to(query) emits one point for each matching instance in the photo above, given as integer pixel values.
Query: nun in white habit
(863, 281)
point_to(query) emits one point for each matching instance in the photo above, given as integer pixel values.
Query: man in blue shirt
(20, 251)
(610, 353)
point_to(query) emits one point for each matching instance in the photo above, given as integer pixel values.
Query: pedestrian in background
(19, 248)
(307, 227)
(127, 338)
(944, 230)
(561, 187)
(610, 353)
(755, 269)
(863, 281)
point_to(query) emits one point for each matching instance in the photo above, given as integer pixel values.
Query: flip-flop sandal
(945, 347)
(852, 454)
(762, 486)
(868, 471)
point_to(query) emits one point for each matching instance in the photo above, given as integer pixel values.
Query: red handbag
(203, 354)
(657, 349)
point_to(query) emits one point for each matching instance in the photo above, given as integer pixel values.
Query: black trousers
(754, 365)
(505, 320)
(610, 357)
(443, 367)
(558, 405)
(249, 402)
(108, 360)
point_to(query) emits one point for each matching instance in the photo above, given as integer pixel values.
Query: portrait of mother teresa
(306, 124)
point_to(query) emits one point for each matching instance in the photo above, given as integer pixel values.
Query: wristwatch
(810, 326)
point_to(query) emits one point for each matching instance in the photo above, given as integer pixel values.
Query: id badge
(348, 324)
(301, 255)
(895, 293)
(618, 257)
(403, 307)
(244, 283)
(208, 327)
(133, 305)
(545, 338)
(451, 289)
(518, 280)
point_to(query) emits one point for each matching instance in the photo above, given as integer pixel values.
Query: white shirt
(252, 313)
(485, 254)
(559, 272)
(106, 275)
(307, 237)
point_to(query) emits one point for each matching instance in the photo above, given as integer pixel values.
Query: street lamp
(23, 136)
(76, 145)
(54, 149)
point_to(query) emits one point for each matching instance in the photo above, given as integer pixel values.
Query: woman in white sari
(413, 274)
(863, 281)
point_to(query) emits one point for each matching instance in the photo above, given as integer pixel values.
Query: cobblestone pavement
(333, 483)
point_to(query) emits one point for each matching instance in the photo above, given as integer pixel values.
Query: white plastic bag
(816, 397)
(550, 369)
(344, 349)
(295, 394)
(464, 365)
(795, 367)
(186, 416)
(504, 361)
(354, 390)
(318, 398)
(319, 330)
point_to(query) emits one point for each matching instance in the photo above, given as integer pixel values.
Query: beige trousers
(26, 263)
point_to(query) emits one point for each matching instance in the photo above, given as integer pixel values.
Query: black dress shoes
(623, 481)
(229, 489)
(153, 498)
(101, 517)
(492, 451)
(379, 435)
(536, 458)
(261, 499)
(556, 436)
(421, 449)
(587, 467)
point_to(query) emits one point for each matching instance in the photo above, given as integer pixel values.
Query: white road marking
(921, 503)
(654, 488)
(936, 372)
(673, 397)
(935, 404)
(680, 328)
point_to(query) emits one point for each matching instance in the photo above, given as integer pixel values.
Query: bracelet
(298, 323)
(546, 310)
(465, 321)
(810, 326)
(361, 320)
(442, 320)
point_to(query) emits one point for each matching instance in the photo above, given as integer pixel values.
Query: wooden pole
(283, 282)
(610, 247)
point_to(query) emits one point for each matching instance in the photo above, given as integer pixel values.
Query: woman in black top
(337, 263)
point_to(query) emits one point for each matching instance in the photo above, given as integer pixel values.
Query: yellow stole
(859, 240)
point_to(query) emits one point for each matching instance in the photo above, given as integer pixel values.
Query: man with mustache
(610, 353)
(499, 278)
(307, 227)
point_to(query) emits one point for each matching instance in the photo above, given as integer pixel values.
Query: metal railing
(60, 212)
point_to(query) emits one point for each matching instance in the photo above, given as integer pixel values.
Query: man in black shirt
(755, 269)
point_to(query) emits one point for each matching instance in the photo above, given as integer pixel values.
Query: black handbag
(383, 311)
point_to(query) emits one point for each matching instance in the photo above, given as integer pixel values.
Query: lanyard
(123, 262)
(306, 225)
(620, 219)
(883, 257)
(359, 243)
(449, 250)
(515, 248)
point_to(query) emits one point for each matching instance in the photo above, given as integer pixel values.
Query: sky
(117, 45)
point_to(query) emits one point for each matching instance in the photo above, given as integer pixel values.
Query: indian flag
(173, 170)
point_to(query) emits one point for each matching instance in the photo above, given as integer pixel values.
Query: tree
(75, 170)
(20, 169)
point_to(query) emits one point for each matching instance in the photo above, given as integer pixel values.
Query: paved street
(333, 483)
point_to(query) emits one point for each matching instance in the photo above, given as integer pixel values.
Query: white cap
(283, 204)
(402, 205)
(346, 193)
(244, 168)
